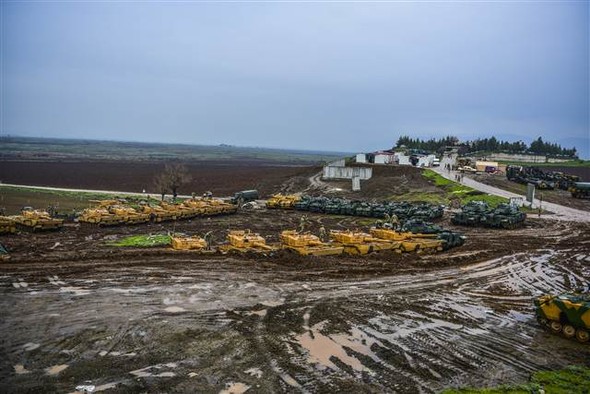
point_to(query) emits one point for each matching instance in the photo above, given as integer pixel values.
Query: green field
(13, 199)
(143, 241)
(449, 191)
(571, 380)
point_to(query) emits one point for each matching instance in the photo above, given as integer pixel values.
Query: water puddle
(56, 369)
(77, 291)
(235, 388)
(27, 347)
(153, 371)
(174, 309)
(256, 372)
(20, 284)
(54, 280)
(322, 348)
(260, 313)
(20, 369)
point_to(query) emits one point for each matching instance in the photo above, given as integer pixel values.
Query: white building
(384, 158)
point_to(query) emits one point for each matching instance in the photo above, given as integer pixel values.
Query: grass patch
(142, 241)
(417, 196)
(14, 198)
(58, 193)
(451, 190)
(571, 380)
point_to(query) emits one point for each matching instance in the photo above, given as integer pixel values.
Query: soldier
(394, 221)
(208, 238)
(302, 223)
(323, 234)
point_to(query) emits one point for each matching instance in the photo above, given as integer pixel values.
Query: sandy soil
(75, 311)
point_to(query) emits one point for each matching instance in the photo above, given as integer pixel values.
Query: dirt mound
(387, 181)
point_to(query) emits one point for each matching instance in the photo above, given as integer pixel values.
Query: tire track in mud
(462, 326)
(411, 332)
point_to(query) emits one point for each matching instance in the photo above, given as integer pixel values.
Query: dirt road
(80, 312)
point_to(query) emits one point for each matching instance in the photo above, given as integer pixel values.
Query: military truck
(567, 314)
(244, 196)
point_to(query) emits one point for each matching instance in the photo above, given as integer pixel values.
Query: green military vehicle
(580, 190)
(567, 314)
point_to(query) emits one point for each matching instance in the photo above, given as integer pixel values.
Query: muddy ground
(76, 311)
(556, 196)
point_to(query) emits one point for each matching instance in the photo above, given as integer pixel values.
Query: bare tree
(174, 177)
(161, 184)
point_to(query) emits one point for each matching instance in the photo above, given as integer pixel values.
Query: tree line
(492, 144)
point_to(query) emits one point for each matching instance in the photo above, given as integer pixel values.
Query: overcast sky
(324, 76)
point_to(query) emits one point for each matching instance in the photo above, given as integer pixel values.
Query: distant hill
(30, 148)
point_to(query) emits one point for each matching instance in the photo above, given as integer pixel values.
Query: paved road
(63, 189)
(559, 211)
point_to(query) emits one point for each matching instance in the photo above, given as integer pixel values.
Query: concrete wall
(404, 160)
(361, 158)
(341, 172)
(554, 160)
(517, 157)
(337, 163)
(384, 159)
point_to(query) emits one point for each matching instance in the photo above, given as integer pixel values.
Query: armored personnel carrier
(567, 314)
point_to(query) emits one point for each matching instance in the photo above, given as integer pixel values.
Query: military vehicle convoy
(342, 206)
(548, 180)
(117, 212)
(567, 314)
(479, 213)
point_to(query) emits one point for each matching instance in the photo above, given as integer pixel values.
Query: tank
(32, 219)
(182, 242)
(282, 201)
(504, 216)
(471, 213)
(245, 241)
(7, 225)
(100, 216)
(420, 226)
(358, 243)
(334, 206)
(410, 242)
(567, 314)
(157, 213)
(308, 244)
(303, 203)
